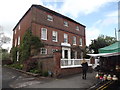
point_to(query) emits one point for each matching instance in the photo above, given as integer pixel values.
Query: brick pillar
(57, 68)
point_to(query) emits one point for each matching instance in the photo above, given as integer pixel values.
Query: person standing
(84, 68)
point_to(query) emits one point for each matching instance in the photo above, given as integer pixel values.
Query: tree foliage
(14, 53)
(5, 54)
(29, 42)
(101, 42)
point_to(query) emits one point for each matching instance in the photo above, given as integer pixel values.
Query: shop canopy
(111, 50)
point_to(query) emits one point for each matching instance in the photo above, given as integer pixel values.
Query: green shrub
(36, 71)
(45, 73)
(17, 66)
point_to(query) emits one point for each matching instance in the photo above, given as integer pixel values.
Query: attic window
(65, 23)
(77, 28)
(49, 18)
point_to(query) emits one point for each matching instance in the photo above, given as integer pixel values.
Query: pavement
(14, 79)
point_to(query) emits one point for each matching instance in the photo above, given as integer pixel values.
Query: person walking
(84, 68)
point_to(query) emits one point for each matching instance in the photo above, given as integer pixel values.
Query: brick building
(58, 32)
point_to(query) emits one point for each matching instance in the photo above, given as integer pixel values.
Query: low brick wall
(70, 71)
(47, 63)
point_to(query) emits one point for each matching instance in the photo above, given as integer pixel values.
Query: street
(14, 79)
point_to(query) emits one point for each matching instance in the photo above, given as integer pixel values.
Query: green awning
(113, 48)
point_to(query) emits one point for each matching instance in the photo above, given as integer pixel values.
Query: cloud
(75, 7)
(11, 12)
(91, 33)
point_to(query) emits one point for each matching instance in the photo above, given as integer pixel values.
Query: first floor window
(43, 33)
(43, 51)
(65, 38)
(54, 36)
(18, 40)
(80, 41)
(74, 40)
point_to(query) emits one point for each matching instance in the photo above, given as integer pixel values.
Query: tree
(101, 42)
(3, 39)
(29, 42)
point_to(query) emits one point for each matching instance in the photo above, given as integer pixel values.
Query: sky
(99, 16)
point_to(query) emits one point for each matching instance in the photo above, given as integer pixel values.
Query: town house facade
(58, 32)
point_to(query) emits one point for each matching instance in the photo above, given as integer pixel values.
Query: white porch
(70, 63)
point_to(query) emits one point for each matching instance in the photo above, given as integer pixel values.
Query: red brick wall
(40, 18)
(25, 23)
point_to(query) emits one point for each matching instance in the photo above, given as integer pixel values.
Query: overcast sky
(99, 16)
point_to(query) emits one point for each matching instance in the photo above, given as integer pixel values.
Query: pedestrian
(84, 68)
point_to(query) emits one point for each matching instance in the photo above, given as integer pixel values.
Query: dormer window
(49, 18)
(66, 23)
(77, 28)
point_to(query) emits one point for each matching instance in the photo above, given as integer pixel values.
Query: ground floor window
(43, 51)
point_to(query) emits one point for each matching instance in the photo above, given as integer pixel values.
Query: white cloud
(74, 7)
(91, 34)
(11, 12)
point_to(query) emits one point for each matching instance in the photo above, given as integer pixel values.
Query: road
(14, 79)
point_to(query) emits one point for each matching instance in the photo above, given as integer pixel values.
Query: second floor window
(74, 40)
(54, 36)
(65, 38)
(80, 41)
(49, 18)
(65, 23)
(43, 33)
(77, 28)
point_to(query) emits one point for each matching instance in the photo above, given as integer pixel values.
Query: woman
(84, 68)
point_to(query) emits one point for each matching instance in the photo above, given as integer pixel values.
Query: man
(84, 68)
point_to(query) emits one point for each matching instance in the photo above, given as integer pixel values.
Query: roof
(113, 48)
(104, 54)
(50, 11)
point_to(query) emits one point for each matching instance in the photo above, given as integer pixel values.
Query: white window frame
(41, 52)
(55, 34)
(65, 37)
(77, 28)
(18, 40)
(66, 23)
(81, 41)
(43, 37)
(74, 40)
(49, 18)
